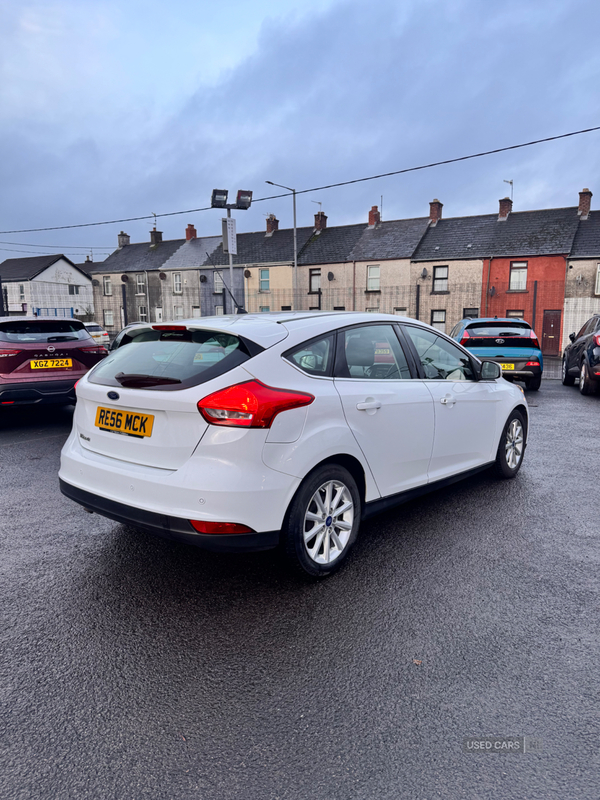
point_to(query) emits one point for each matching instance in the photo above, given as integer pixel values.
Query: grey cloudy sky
(118, 108)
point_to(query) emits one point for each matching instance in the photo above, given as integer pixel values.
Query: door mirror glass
(572, 337)
(490, 371)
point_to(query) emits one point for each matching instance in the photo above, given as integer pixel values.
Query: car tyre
(568, 380)
(322, 522)
(533, 384)
(512, 446)
(586, 385)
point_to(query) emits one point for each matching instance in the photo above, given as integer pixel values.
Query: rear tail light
(97, 349)
(466, 335)
(6, 353)
(535, 342)
(169, 328)
(532, 364)
(250, 404)
(596, 340)
(219, 527)
(75, 386)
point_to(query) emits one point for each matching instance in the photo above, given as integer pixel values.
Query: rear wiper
(141, 381)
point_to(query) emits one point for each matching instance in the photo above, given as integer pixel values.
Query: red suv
(41, 359)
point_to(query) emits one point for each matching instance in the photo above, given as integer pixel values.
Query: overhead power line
(58, 246)
(316, 188)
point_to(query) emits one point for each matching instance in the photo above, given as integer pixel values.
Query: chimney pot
(155, 236)
(190, 232)
(320, 221)
(435, 212)
(374, 217)
(505, 208)
(585, 201)
(123, 239)
(272, 224)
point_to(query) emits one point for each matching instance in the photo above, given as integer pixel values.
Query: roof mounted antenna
(319, 204)
(154, 215)
(511, 189)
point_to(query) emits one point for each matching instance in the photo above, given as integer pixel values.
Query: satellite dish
(203, 279)
(162, 276)
(330, 276)
(492, 291)
(247, 273)
(424, 273)
(124, 278)
(95, 282)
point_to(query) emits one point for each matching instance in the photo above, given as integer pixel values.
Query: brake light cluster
(466, 335)
(7, 353)
(97, 349)
(535, 341)
(597, 339)
(251, 404)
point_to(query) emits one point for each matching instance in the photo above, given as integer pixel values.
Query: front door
(158, 314)
(551, 333)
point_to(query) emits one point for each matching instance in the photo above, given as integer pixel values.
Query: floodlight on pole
(219, 198)
(295, 276)
(243, 201)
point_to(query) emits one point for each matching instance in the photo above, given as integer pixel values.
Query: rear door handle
(448, 400)
(367, 405)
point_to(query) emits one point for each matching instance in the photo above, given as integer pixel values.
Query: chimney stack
(374, 217)
(435, 212)
(155, 236)
(272, 224)
(585, 201)
(190, 232)
(320, 221)
(505, 209)
(123, 239)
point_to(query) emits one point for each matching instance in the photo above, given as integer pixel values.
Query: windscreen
(172, 360)
(42, 331)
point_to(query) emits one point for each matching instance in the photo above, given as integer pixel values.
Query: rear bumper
(174, 528)
(23, 393)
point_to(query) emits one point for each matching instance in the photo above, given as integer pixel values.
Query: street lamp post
(295, 278)
(243, 201)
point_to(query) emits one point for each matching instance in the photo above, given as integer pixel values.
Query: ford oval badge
(112, 395)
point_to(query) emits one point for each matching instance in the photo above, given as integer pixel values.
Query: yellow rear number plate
(128, 422)
(51, 363)
(507, 366)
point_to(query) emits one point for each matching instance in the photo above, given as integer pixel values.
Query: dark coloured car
(511, 343)
(582, 357)
(41, 359)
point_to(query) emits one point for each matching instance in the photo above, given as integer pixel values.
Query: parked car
(41, 358)
(135, 331)
(98, 334)
(245, 432)
(582, 357)
(509, 342)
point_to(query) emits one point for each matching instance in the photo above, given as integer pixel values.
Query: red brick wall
(548, 271)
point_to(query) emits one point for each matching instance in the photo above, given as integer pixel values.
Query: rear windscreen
(499, 329)
(94, 328)
(172, 360)
(42, 331)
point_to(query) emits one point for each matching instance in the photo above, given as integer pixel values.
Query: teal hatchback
(511, 343)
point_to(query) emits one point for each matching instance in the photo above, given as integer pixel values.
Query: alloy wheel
(514, 444)
(328, 522)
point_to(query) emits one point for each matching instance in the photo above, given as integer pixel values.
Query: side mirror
(490, 371)
(572, 337)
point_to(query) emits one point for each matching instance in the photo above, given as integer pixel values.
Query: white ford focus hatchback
(252, 431)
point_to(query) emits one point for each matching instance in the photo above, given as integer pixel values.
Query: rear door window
(171, 360)
(42, 331)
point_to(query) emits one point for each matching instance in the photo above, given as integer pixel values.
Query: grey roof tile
(137, 257)
(14, 269)
(395, 239)
(587, 239)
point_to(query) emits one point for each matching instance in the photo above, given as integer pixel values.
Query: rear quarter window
(185, 358)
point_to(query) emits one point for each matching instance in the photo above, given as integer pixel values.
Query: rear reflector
(7, 402)
(250, 404)
(532, 364)
(219, 527)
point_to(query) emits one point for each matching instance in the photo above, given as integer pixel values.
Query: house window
(264, 309)
(373, 278)
(143, 314)
(195, 312)
(401, 312)
(470, 312)
(518, 276)
(177, 283)
(512, 312)
(178, 312)
(373, 310)
(108, 318)
(315, 281)
(218, 283)
(263, 280)
(440, 279)
(438, 320)
(140, 285)
(286, 308)
(597, 290)
(107, 285)
(339, 308)
(73, 289)
(219, 311)
(21, 293)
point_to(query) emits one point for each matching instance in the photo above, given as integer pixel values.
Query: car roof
(469, 320)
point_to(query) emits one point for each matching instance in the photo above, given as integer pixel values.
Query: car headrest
(360, 353)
